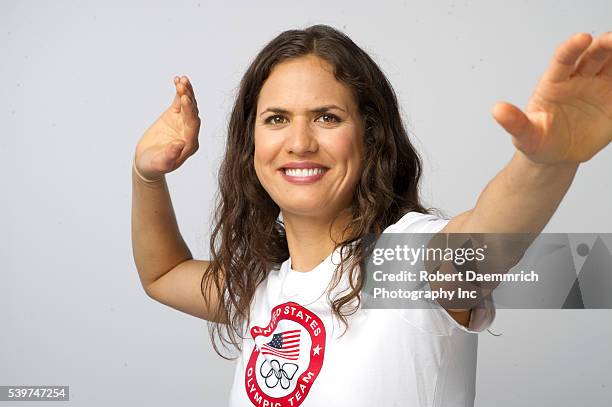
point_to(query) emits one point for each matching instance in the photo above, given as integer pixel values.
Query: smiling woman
(317, 157)
(308, 157)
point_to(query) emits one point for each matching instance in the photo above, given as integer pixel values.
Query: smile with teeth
(303, 172)
(303, 176)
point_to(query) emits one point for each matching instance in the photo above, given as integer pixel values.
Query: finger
(192, 126)
(186, 90)
(606, 69)
(514, 121)
(176, 103)
(192, 97)
(189, 89)
(194, 103)
(190, 114)
(189, 85)
(595, 57)
(563, 62)
(181, 89)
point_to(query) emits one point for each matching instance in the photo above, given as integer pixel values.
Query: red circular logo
(287, 357)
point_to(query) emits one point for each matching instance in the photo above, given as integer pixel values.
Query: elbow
(149, 288)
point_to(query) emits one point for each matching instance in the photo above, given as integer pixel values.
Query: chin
(303, 208)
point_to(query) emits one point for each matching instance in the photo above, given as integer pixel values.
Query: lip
(303, 180)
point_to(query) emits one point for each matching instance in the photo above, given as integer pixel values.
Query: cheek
(346, 148)
(259, 161)
(265, 150)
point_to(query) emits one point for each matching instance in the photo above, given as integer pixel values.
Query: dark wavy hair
(248, 238)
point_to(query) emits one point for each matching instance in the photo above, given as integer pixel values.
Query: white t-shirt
(294, 354)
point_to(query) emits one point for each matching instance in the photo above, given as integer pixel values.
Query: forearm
(520, 199)
(157, 244)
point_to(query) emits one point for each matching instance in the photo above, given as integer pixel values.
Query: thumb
(514, 121)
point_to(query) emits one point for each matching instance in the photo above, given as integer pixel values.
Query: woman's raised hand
(173, 137)
(568, 118)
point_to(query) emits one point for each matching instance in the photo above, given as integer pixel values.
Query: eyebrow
(320, 109)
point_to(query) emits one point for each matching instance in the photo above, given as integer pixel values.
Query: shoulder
(416, 222)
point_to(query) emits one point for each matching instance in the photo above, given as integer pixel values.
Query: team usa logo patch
(287, 357)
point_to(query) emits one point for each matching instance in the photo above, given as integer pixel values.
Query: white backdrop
(82, 81)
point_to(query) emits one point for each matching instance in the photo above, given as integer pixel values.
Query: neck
(309, 238)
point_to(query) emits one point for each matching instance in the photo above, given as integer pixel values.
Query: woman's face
(307, 119)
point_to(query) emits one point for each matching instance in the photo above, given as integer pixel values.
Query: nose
(301, 138)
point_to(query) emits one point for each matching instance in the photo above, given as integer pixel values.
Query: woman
(317, 157)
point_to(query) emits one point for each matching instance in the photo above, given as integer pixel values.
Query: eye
(275, 119)
(329, 118)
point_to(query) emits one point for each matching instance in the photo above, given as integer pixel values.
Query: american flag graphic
(285, 345)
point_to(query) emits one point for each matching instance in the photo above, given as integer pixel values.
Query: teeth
(303, 172)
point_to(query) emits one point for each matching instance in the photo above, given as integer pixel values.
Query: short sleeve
(481, 318)
(483, 315)
(416, 222)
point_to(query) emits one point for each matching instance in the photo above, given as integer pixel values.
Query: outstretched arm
(568, 120)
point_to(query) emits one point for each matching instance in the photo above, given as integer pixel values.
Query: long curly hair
(248, 239)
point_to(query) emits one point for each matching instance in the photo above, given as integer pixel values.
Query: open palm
(568, 118)
(173, 137)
